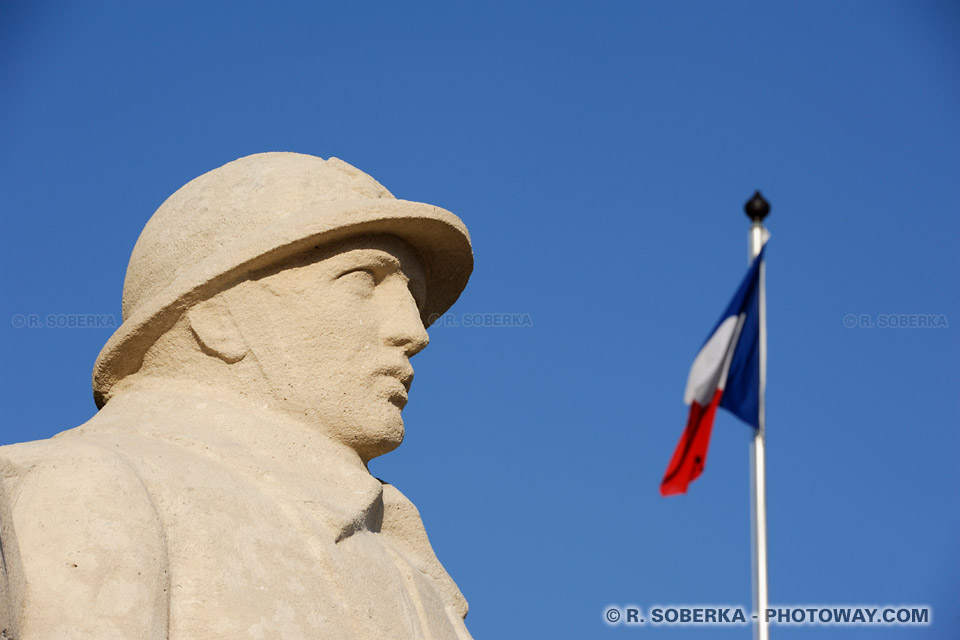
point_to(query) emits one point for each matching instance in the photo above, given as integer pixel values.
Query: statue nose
(402, 326)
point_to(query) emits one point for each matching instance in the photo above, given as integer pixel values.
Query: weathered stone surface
(270, 310)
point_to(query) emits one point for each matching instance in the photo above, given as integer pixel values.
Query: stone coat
(202, 519)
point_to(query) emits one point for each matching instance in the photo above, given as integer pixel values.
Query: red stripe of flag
(691, 453)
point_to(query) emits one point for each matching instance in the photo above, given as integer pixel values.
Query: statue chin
(380, 448)
(371, 434)
(370, 443)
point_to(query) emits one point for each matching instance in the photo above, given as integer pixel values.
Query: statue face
(332, 335)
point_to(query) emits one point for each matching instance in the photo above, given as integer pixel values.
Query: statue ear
(215, 331)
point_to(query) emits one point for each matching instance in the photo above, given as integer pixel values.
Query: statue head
(294, 281)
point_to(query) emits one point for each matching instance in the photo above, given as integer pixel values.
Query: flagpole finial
(757, 208)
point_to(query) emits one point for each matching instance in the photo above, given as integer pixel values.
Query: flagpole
(757, 209)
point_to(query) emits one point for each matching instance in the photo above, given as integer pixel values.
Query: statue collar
(274, 451)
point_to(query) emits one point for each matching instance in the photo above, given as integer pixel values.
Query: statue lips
(402, 373)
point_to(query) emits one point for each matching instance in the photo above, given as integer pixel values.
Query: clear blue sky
(600, 154)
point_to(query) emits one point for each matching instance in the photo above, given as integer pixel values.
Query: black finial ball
(757, 207)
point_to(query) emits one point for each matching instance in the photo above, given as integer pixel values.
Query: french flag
(725, 373)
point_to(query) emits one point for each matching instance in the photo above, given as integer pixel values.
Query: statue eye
(360, 281)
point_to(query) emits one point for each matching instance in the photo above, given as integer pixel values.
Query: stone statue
(270, 310)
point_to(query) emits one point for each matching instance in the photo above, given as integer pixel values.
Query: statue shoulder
(83, 548)
(70, 472)
(404, 529)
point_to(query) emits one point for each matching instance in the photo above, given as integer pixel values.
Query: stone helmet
(253, 213)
